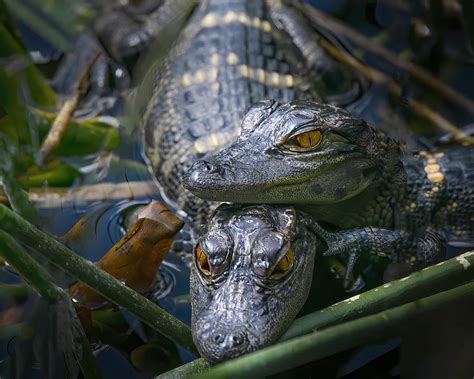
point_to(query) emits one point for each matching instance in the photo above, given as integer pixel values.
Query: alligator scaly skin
(228, 57)
(354, 178)
(440, 192)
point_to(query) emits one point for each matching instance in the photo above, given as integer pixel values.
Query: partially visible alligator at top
(230, 54)
(347, 175)
(252, 273)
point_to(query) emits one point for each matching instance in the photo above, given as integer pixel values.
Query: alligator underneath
(251, 275)
(348, 175)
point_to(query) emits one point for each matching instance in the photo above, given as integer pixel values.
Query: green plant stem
(53, 174)
(40, 25)
(18, 292)
(321, 344)
(36, 276)
(102, 282)
(16, 196)
(188, 370)
(40, 91)
(433, 279)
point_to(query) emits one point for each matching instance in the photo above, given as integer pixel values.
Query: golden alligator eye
(308, 139)
(284, 264)
(202, 261)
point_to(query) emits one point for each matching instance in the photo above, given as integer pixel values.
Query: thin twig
(396, 90)
(64, 197)
(366, 43)
(65, 113)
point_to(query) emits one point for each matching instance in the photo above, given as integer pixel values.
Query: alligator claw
(356, 286)
(351, 261)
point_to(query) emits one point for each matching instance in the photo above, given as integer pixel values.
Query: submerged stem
(42, 282)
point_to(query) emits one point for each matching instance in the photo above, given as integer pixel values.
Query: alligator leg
(398, 245)
(120, 35)
(126, 33)
(334, 83)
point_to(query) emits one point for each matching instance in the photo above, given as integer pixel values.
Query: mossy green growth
(81, 136)
(53, 174)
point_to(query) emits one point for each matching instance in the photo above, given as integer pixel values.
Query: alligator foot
(355, 242)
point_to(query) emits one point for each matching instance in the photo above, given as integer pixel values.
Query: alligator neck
(375, 206)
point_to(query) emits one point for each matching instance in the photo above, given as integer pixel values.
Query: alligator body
(229, 55)
(347, 175)
(251, 275)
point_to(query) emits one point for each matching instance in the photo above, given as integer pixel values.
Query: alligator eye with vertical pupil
(303, 141)
(202, 260)
(308, 139)
(284, 264)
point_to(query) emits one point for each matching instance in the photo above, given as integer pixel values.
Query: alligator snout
(204, 172)
(223, 342)
(208, 167)
(229, 344)
(202, 169)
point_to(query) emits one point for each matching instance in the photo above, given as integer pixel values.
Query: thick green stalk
(53, 174)
(44, 21)
(188, 370)
(433, 279)
(36, 276)
(321, 344)
(102, 282)
(16, 196)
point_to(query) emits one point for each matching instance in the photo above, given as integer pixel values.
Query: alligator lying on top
(230, 55)
(347, 175)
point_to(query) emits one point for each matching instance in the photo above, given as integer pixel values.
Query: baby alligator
(252, 273)
(348, 175)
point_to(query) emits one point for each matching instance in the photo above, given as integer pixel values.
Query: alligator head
(251, 274)
(300, 152)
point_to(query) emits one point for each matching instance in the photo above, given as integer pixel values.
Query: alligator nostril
(210, 167)
(237, 340)
(218, 338)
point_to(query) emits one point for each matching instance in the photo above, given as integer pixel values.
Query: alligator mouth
(245, 184)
